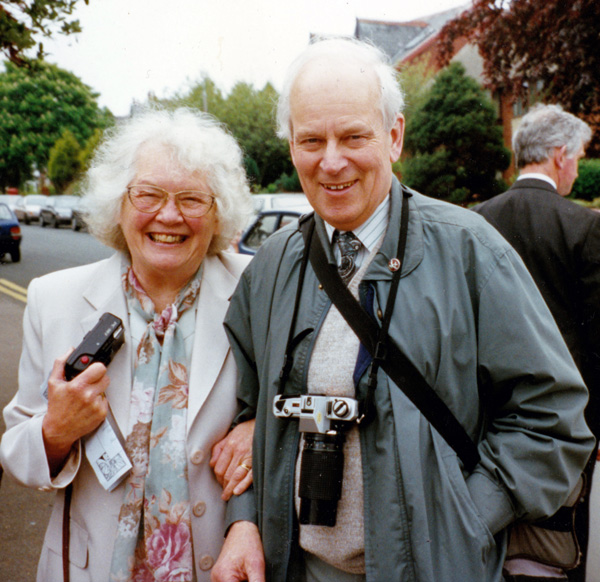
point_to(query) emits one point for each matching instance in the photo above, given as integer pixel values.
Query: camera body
(100, 344)
(323, 421)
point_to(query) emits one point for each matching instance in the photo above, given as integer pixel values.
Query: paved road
(24, 512)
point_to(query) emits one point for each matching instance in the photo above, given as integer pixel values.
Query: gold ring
(246, 467)
(103, 395)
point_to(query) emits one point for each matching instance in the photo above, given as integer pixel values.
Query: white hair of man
(392, 98)
(197, 142)
(544, 128)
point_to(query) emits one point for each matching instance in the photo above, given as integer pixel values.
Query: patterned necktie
(349, 246)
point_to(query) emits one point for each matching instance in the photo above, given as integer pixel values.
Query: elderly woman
(168, 192)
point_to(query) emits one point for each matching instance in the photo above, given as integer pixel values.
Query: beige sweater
(330, 373)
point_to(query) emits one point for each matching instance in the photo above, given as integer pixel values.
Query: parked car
(10, 200)
(28, 207)
(265, 224)
(10, 234)
(77, 222)
(58, 210)
(282, 200)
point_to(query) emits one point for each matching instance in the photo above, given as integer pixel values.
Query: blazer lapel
(210, 342)
(105, 294)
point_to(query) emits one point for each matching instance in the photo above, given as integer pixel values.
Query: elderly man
(559, 241)
(472, 327)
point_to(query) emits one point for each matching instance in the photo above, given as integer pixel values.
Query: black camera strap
(382, 348)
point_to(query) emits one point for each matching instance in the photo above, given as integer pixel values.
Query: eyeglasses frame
(165, 199)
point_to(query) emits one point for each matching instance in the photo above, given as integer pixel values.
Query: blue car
(10, 234)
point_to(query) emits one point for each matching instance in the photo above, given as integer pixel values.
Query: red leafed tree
(525, 42)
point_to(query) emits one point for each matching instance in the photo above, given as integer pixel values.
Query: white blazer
(61, 308)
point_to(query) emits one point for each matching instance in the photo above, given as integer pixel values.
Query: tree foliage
(250, 116)
(64, 162)
(37, 104)
(455, 141)
(525, 42)
(587, 185)
(21, 21)
(89, 149)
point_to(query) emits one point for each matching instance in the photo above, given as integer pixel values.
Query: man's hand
(242, 555)
(75, 409)
(231, 460)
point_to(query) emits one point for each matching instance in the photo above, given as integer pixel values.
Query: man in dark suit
(558, 240)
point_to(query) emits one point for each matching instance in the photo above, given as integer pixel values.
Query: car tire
(74, 225)
(15, 255)
(42, 221)
(55, 222)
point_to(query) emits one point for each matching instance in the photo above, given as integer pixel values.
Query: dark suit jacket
(559, 242)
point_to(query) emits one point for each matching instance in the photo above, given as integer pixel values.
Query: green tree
(89, 149)
(203, 95)
(22, 22)
(455, 141)
(64, 162)
(527, 42)
(37, 104)
(587, 185)
(250, 115)
(415, 79)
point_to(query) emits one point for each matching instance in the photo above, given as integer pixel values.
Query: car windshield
(60, 202)
(5, 213)
(36, 199)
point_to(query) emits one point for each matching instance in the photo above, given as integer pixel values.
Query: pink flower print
(169, 553)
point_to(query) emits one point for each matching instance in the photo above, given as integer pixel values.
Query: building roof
(398, 39)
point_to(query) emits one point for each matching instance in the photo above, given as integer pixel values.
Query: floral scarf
(154, 536)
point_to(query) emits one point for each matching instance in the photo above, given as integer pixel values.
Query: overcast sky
(131, 47)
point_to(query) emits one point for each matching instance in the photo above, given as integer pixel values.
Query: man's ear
(397, 138)
(560, 156)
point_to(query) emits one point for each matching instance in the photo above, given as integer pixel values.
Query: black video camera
(100, 344)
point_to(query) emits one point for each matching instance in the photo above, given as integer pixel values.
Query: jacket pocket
(78, 544)
(467, 508)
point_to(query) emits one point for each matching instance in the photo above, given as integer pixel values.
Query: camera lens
(321, 473)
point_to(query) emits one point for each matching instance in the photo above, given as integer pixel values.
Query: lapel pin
(394, 265)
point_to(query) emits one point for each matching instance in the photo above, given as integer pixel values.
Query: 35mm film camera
(100, 344)
(323, 420)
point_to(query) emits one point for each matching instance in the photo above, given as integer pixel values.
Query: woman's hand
(231, 460)
(75, 409)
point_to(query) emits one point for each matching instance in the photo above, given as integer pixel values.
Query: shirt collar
(538, 176)
(370, 231)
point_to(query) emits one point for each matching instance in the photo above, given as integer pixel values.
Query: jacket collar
(105, 293)
(379, 268)
(535, 184)
(211, 346)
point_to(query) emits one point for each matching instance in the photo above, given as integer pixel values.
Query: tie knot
(349, 246)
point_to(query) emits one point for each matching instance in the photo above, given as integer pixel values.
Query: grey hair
(544, 128)
(196, 141)
(392, 98)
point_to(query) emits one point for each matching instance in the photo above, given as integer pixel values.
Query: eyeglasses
(150, 199)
